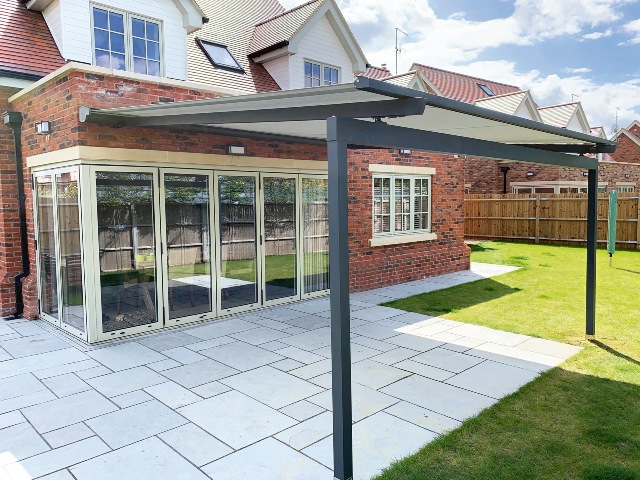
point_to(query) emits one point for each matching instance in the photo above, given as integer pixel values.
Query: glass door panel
(127, 249)
(70, 250)
(315, 234)
(187, 211)
(47, 258)
(280, 238)
(238, 241)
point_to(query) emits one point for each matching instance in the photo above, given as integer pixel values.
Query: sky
(588, 50)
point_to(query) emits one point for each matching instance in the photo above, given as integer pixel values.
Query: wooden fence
(549, 218)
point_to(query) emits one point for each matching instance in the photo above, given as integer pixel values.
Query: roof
(598, 132)
(506, 103)
(413, 79)
(463, 88)
(26, 44)
(558, 115)
(232, 22)
(376, 72)
(282, 27)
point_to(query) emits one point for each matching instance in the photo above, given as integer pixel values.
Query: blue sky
(555, 48)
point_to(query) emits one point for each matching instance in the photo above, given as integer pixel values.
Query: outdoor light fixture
(585, 174)
(405, 151)
(43, 128)
(236, 150)
(530, 174)
(626, 175)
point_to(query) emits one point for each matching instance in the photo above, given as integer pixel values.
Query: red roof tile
(376, 72)
(26, 44)
(463, 88)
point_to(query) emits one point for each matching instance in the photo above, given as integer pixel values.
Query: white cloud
(634, 29)
(596, 35)
(576, 70)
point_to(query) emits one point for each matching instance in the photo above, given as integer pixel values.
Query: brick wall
(59, 100)
(628, 150)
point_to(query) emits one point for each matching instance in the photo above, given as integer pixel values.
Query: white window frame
(322, 67)
(626, 187)
(128, 36)
(412, 230)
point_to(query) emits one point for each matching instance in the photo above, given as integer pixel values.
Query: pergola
(375, 114)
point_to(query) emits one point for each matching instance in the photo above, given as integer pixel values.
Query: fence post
(537, 219)
(638, 225)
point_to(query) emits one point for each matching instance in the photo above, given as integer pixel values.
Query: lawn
(578, 421)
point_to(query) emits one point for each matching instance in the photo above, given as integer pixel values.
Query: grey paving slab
(259, 335)
(210, 389)
(126, 356)
(414, 342)
(447, 360)
(366, 401)
(374, 344)
(242, 356)
(462, 344)
(308, 432)
(359, 352)
(429, 330)
(281, 314)
(445, 399)
(423, 418)
(287, 364)
(271, 386)
(325, 380)
(183, 355)
(26, 328)
(33, 345)
(376, 375)
(120, 382)
(58, 459)
(236, 419)
(302, 410)
(11, 418)
(68, 368)
(132, 398)
(267, 460)
(195, 444)
(312, 370)
(376, 313)
(294, 330)
(19, 385)
(34, 363)
(214, 342)
(311, 306)
(67, 384)
(375, 331)
(517, 357)
(66, 411)
(168, 340)
(493, 379)
(377, 441)
(199, 373)
(396, 355)
(150, 459)
(507, 339)
(300, 355)
(59, 475)
(311, 340)
(163, 365)
(424, 370)
(66, 435)
(172, 395)
(18, 442)
(310, 322)
(221, 328)
(135, 423)
(548, 347)
(23, 401)
(271, 346)
(93, 372)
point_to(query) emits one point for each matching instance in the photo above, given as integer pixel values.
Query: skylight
(486, 90)
(219, 55)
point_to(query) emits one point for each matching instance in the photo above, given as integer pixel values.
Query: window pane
(327, 76)
(137, 28)
(153, 31)
(307, 69)
(117, 43)
(315, 234)
(334, 76)
(139, 48)
(116, 23)
(220, 55)
(139, 65)
(102, 59)
(117, 61)
(101, 39)
(316, 71)
(47, 247)
(100, 18)
(154, 68)
(153, 51)
(307, 82)
(316, 82)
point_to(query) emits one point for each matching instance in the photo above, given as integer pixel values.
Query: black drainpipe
(14, 120)
(504, 171)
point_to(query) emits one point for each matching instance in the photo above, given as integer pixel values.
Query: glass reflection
(47, 247)
(315, 234)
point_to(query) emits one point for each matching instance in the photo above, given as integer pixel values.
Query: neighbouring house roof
(561, 115)
(232, 23)
(376, 72)
(463, 88)
(598, 132)
(414, 79)
(26, 45)
(510, 103)
(629, 132)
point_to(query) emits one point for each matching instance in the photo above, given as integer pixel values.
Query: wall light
(236, 150)
(530, 174)
(405, 151)
(585, 174)
(43, 128)
(626, 175)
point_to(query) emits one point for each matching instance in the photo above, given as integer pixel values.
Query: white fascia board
(582, 118)
(273, 55)
(38, 5)
(428, 82)
(15, 82)
(531, 106)
(628, 134)
(341, 29)
(191, 14)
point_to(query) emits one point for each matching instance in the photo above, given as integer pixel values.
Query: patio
(249, 396)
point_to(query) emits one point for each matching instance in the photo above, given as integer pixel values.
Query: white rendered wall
(524, 112)
(53, 16)
(575, 125)
(279, 70)
(76, 36)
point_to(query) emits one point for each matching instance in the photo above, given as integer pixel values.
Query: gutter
(14, 121)
(270, 48)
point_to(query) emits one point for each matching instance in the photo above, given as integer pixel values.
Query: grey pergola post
(340, 314)
(592, 243)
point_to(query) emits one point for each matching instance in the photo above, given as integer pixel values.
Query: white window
(626, 188)
(401, 204)
(124, 41)
(316, 74)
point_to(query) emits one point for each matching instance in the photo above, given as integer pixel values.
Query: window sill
(400, 239)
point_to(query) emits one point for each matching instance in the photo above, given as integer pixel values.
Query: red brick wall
(628, 150)
(59, 101)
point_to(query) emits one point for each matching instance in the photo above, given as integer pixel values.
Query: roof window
(219, 55)
(486, 90)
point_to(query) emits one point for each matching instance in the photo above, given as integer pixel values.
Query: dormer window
(316, 74)
(124, 41)
(219, 55)
(486, 90)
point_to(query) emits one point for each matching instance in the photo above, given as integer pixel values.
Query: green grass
(578, 421)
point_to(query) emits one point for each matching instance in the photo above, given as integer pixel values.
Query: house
(130, 229)
(489, 176)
